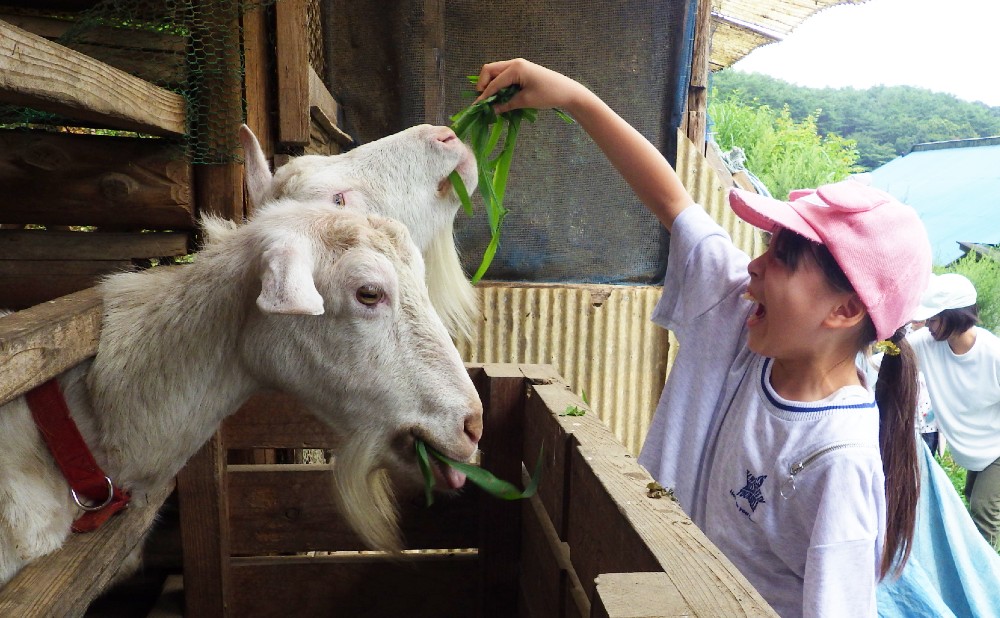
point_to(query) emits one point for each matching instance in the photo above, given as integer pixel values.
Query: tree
(884, 121)
(782, 152)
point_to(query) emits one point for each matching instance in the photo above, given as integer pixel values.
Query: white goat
(403, 176)
(326, 304)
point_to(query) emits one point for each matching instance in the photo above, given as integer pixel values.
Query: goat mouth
(445, 476)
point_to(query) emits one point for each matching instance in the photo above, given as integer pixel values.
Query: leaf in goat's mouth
(484, 479)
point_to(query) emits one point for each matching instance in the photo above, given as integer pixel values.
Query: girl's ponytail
(896, 396)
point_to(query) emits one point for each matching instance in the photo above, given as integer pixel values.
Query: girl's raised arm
(639, 162)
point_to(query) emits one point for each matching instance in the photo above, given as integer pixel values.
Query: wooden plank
(637, 595)
(70, 179)
(219, 190)
(502, 389)
(293, 74)
(615, 527)
(272, 419)
(156, 57)
(549, 583)
(65, 582)
(56, 245)
(325, 110)
(47, 76)
(39, 343)
(26, 283)
(617, 546)
(612, 526)
(203, 498)
(290, 508)
(412, 585)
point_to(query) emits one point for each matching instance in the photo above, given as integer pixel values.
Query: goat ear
(287, 284)
(256, 168)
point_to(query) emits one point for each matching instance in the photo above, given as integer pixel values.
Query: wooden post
(697, 103)
(293, 72)
(502, 388)
(204, 516)
(219, 109)
(434, 92)
(259, 79)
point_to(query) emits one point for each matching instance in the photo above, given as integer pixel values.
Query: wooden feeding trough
(594, 541)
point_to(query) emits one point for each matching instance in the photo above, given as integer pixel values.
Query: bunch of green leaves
(572, 410)
(484, 129)
(484, 479)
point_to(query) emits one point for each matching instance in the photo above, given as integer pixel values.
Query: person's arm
(639, 162)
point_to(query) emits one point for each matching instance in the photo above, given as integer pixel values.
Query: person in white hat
(960, 362)
(804, 478)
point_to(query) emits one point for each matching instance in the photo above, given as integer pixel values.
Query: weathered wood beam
(115, 182)
(293, 75)
(81, 246)
(41, 342)
(37, 73)
(65, 582)
(325, 110)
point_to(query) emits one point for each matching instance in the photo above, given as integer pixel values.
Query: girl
(961, 364)
(764, 429)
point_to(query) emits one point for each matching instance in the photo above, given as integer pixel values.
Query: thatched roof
(740, 26)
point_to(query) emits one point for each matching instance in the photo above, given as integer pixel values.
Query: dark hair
(955, 321)
(896, 397)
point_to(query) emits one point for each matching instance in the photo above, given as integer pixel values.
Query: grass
(955, 472)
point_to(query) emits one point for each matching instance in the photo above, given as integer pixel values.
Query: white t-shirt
(729, 445)
(965, 395)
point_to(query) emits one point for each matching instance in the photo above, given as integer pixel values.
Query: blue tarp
(952, 572)
(954, 187)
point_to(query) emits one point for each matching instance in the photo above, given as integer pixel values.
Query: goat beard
(364, 494)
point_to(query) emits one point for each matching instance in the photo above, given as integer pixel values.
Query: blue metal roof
(954, 187)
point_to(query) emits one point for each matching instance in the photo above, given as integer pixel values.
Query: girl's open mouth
(758, 312)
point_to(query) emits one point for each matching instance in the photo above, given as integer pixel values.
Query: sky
(945, 46)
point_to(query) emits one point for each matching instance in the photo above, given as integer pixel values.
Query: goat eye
(338, 199)
(369, 295)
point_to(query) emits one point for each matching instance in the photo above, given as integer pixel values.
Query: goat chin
(452, 295)
(363, 492)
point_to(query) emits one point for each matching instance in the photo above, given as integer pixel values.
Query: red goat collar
(86, 479)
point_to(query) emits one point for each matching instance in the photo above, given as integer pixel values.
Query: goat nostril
(474, 427)
(445, 135)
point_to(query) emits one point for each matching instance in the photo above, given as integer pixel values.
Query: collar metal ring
(91, 507)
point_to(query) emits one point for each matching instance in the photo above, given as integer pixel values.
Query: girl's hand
(541, 88)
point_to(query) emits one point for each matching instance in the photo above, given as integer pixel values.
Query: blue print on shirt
(750, 492)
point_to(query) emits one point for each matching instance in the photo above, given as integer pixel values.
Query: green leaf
(491, 250)
(505, 159)
(484, 479)
(565, 117)
(425, 468)
(461, 191)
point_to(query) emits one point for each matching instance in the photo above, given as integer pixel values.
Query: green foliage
(782, 152)
(885, 121)
(984, 273)
(956, 474)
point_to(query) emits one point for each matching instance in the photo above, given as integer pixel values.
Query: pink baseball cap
(879, 243)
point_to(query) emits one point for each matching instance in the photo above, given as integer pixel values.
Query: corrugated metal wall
(599, 337)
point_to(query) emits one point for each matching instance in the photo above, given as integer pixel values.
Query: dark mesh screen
(572, 218)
